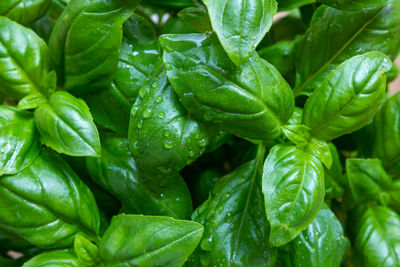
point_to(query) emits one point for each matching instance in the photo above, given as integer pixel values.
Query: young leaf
(251, 101)
(293, 187)
(335, 36)
(386, 145)
(23, 11)
(47, 205)
(376, 237)
(322, 244)
(66, 125)
(235, 226)
(85, 250)
(163, 136)
(19, 140)
(22, 66)
(148, 241)
(32, 101)
(117, 172)
(57, 258)
(349, 96)
(85, 43)
(241, 25)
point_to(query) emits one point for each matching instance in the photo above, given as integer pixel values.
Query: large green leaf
(23, 60)
(85, 43)
(66, 125)
(376, 237)
(23, 11)
(252, 100)
(293, 187)
(163, 136)
(349, 97)
(148, 241)
(335, 36)
(19, 140)
(322, 244)
(47, 205)
(117, 172)
(236, 229)
(241, 25)
(57, 258)
(386, 132)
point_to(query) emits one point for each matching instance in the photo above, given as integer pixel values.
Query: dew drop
(168, 66)
(159, 99)
(191, 153)
(154, 85)
(139, 125)
(207, 117)
(161, 115)
(168, 144)
(147, 113)
(142, 92)
(202, 142)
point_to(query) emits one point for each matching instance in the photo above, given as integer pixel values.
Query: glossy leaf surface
(376, 237)
(241, 25)
(163, 136)
(322, 244)
(85, 43)
(57, 258)
(386, 145)
(293, 187)
(349, 96)
(23, 11)
(251, 101)
(53, 204)
(23, 66)
(354, 5)
(197, 18)
(19, 140)
(116, 171)
(149, 241)
(236, 229)
(66, 125)
(335, 36)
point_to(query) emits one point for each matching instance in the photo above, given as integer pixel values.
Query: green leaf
(376, 237)
(66, 125)
(136, 240)
(110, 108)
(354, 5)
(251, 101)
(368, 180)
(23, 66)
(19, 140)
(235, 226)
(85, 250)
(386, 145)
(196, 17)
(335, 36)
(173, 3)
(348, 98)
(57, 258)
(87, 57)
(117, 172)
(47, 205)
(32, 101)
(293, 187)
(23, 11)
(322, 244)
(164, 137)
(140, 54)
(241, 25)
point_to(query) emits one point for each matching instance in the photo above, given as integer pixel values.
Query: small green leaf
(148, 241)
(349, 96)
(293, 187)
(241, 25)
(85, 250)
(32, 101)
(66, 125)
